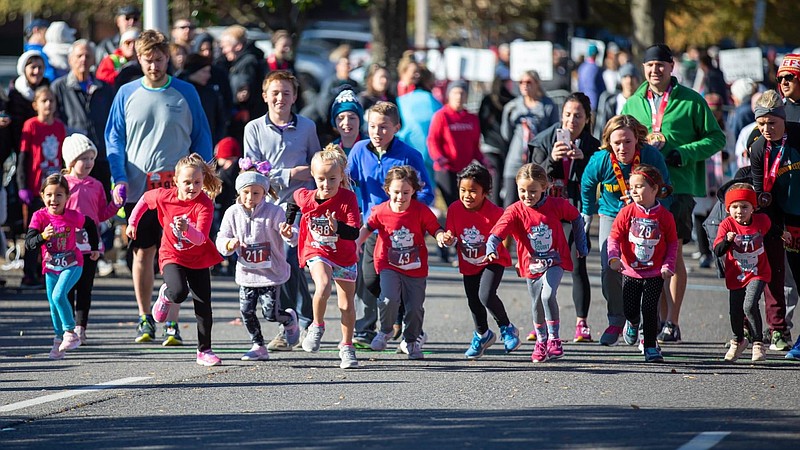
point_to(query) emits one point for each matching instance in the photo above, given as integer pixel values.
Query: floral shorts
(348, 273)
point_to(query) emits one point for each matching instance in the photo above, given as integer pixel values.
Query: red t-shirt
(746, 259)
(316, 237)
(539, 234)
(401, 238)
(454, 139)
(644, 239)
(199, 213)
(42, 143)
(472, 229)
(61, 250)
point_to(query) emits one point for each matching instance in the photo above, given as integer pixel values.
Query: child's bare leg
(321, 274)
(346, 291)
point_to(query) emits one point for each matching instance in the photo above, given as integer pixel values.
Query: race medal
(770, 172)
(655, 138)
(256, 256)
(764, 199)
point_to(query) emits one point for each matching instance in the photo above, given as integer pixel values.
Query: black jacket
(84, 112)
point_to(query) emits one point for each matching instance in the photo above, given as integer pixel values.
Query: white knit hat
(74, 146)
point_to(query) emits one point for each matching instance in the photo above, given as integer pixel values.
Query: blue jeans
(58, 286)
(295, 290)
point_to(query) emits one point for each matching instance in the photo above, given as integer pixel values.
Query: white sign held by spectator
(580, 47)
(532, 55)
(741, 63)
(470, 64)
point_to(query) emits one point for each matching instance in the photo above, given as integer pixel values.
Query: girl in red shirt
(643, 245)
(401, 257)
(470, 221)
(328, 230)
(542, 249)
(740, 240)
(186, 253)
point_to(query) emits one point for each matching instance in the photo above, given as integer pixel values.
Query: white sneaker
(256, 353)
(104, 268)
(421, 340)
(313, 338)
(348, 355)
(81, 332)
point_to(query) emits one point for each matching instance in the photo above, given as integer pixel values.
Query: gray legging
(611, 279)
(543, 292)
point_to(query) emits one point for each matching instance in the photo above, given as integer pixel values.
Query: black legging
(581, 289)
(179, 280)
(481, 290)
(80, 296)
(640, 295)
(447, 182)
(744, 302)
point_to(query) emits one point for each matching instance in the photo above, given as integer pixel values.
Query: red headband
(740, 194)
(646, 177)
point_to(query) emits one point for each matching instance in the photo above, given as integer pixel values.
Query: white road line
(71, 393)
(704, 441)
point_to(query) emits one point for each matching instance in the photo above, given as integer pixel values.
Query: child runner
(642, 245)
(39, 157)
(328, 230)
(185, 212)
(471, 220)
(88, 197)
(535, 223)
(740, 240)
(256, 230)
(401, 257)
(54, 228)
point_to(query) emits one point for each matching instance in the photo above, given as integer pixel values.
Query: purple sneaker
(291, 328)
(71, 341)
(208, 359)
(539, 352)
(554, 349)
(162, 305)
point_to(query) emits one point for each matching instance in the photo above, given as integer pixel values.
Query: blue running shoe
(653, 354)
(479, 345)
(794, 353)
(510, 336)
(631, 333)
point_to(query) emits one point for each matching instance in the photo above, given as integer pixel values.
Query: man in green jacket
(683, 127)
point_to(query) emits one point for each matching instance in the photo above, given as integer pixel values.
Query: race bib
(644, 234)
(543, 261)
(256, 256)
(321, 230)
(161, 179)
(473, 253)
(60, 261)
(794, 245)
(406, 258)
(82, 240)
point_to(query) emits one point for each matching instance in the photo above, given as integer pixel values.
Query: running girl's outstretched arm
(145, 203)
(579, 231)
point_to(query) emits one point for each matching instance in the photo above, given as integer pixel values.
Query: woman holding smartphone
(564, 150)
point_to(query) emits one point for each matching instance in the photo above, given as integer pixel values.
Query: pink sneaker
(55, 352)
(539, 352)
(71, 341)
(554, 349)
(208, 359)
(582, 332)
(162, 306)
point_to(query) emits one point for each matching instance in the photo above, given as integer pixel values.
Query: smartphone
(562, 135)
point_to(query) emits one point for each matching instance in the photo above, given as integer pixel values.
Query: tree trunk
(648, 24)
(389, 21)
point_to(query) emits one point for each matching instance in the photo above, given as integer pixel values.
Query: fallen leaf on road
(635, 406)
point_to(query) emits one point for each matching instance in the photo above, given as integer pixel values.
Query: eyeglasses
(787, 77)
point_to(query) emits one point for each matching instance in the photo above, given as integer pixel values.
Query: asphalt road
(114, 393)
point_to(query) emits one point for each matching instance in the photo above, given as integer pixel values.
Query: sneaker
(610, 335)
(531, 336)
(479, 344)
(208, 359)
(397, 331)
(291, 328)
(582, 332)
(162, 305)
(669, 333)
(415, 350)
(510, 336)
(706, 261)
(146, 330)
(71, 341)
(403, 346)
(361, 342)
(758, 352)
(794, 353)
(104, 268)
(56, 352)
(81, 332)
(631, 333)
(778, 342)
(736, 350)
(172, 335)
(348, 356)
(279, 343)
(313, 338)
(641, 346)
(256, 353)
(653, 354)
(539, 352)
(555, 349)
(303, 334)
(378, 344)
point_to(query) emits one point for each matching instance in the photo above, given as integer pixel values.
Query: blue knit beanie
(346, 101)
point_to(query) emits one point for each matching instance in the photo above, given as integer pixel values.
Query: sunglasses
(132, 17)
(787, 77)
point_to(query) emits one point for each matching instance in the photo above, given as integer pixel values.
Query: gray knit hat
(250, 178)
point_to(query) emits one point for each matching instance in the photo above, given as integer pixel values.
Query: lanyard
(623, 187)
(771, 173)
(657, 114)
